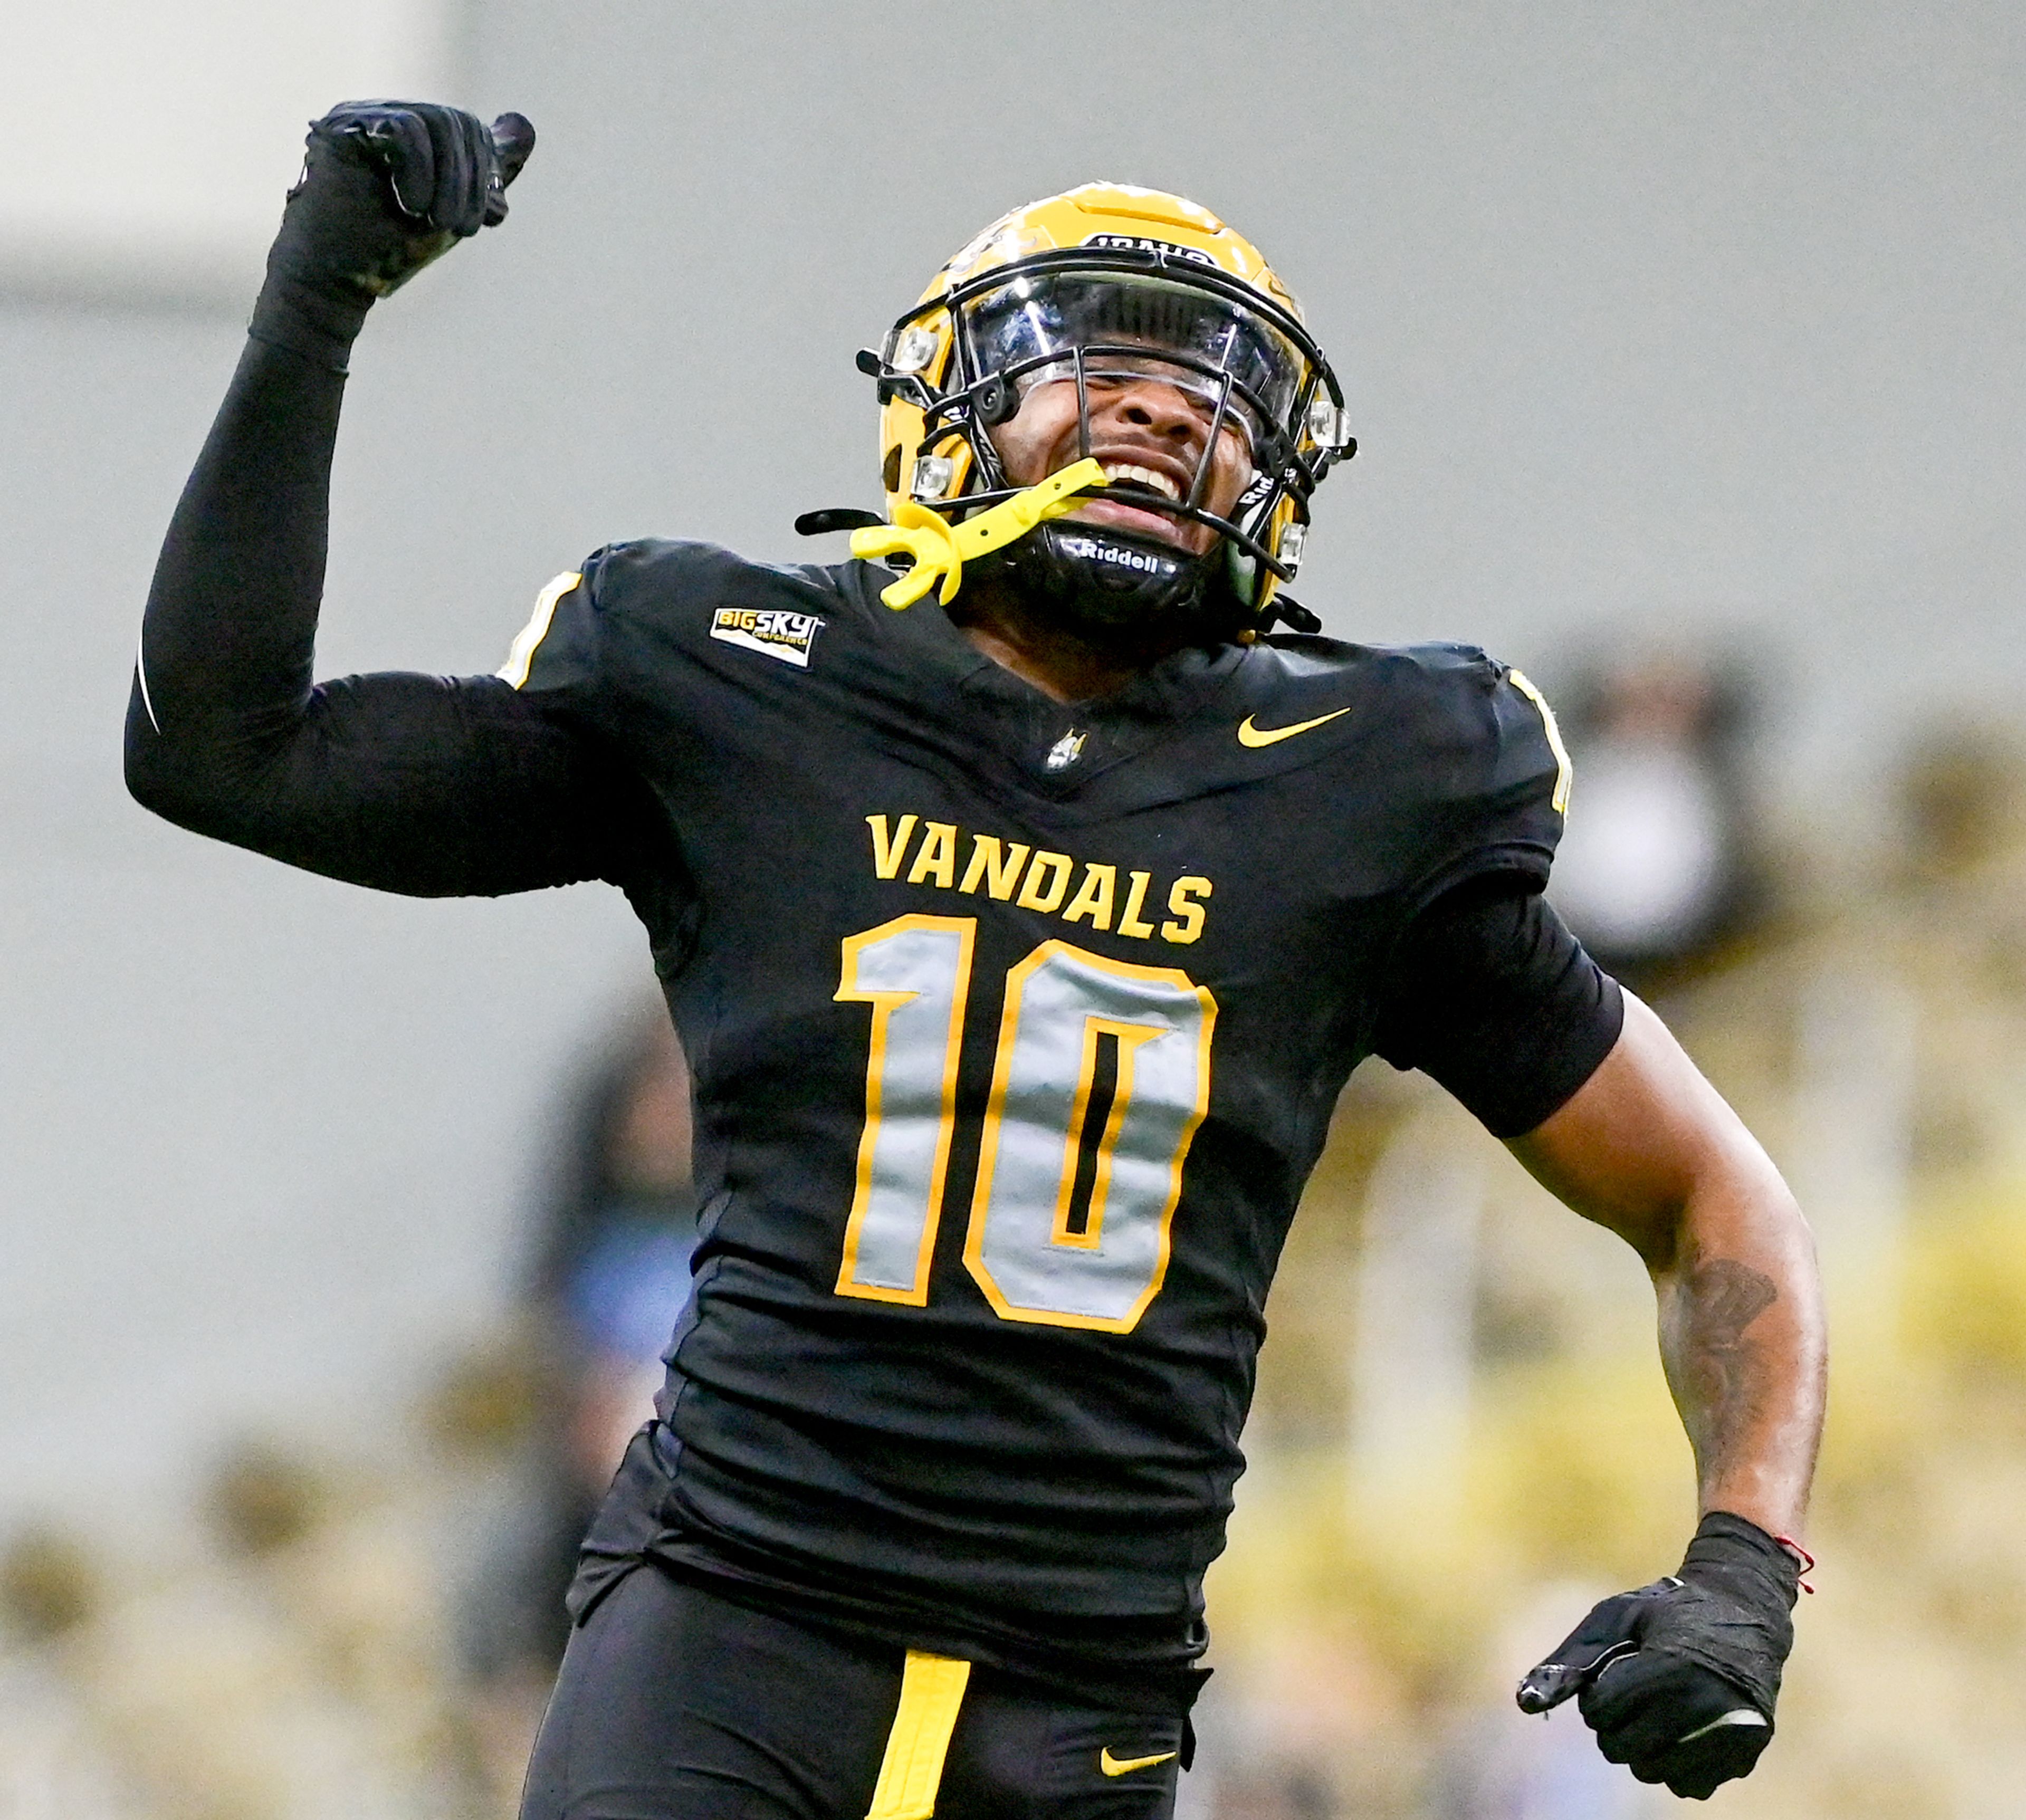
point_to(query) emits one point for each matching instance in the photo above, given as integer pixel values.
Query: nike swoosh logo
(1249, 735)
(1114, 1765)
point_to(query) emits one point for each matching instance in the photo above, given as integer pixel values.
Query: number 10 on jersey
(1101, 1078)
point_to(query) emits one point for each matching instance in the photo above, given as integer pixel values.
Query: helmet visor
(1034, 327)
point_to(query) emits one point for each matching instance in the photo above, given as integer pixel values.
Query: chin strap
(940, 549)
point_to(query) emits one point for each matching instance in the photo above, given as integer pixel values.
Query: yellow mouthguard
(941, 548)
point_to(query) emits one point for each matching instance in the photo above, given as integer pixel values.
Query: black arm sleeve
(1492, 996)
(432, 785)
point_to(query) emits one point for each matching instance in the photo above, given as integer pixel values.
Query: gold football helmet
(1105, 277)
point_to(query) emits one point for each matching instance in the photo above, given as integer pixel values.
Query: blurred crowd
(376, 1641)
(1461, 1436)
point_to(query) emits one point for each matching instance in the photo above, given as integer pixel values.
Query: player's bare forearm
(1648, 1148)
(1744, 1342)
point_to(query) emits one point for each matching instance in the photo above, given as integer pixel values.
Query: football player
(1023, 898)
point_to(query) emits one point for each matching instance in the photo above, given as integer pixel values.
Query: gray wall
(1699, 322)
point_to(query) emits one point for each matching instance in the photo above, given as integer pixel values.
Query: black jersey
(1016, 1029)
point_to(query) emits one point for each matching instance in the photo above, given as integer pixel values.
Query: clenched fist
(1678, 1680)
(386, 188)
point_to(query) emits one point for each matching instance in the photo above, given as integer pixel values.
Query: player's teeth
(1145, 476)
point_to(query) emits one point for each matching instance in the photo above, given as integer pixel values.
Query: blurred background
(338, 1233)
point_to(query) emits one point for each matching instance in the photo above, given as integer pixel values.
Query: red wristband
(1807, 1560)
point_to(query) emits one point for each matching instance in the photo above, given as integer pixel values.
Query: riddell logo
(1140, 243)
(773, 634)
(1093, 550)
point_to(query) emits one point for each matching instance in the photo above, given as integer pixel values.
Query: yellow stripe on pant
(931, 1690)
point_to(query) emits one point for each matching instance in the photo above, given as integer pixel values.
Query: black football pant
(674, 1704)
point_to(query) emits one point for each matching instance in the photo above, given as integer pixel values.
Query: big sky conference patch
(773, 633)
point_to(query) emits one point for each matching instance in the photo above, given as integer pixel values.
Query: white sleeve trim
(522, 656)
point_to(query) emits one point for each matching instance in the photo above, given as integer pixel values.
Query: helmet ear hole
(889, 470)
(994, 400)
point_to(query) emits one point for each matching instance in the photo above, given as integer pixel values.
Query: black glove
(386, 187)
(1678, 1680)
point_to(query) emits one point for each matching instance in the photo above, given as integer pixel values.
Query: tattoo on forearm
(1717, 1363)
